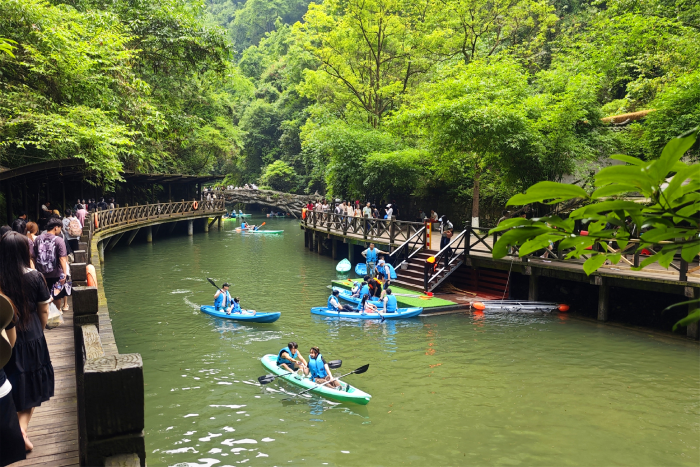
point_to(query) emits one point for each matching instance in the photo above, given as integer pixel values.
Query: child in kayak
(237, 308)
(319, 371)
(290, 359)
(366, 306)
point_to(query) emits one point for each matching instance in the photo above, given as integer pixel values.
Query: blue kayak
(346, 295)
(398, 314)
(361, 270)
(256, 318)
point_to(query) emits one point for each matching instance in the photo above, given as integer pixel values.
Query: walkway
(54, 426)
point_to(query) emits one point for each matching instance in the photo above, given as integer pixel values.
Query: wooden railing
(448, 259)
(409, 248)
(110, 218)
(481, 242)
(388, 231)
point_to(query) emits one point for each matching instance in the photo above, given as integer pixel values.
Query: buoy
(429, 294)
(479, 306)
(563, 308)
(96, 223)
(195, 205)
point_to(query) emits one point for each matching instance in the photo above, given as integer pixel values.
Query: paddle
(258, 226)
(357, 371)
(334, 364)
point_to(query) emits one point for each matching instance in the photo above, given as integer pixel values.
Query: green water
(447, 390)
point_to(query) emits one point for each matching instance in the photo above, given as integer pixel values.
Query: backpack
(46, 260)
(74, 229)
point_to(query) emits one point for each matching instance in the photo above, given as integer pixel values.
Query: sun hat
(388, 205)
(7, 312)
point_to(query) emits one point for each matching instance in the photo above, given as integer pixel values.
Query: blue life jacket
(236, 308)
(364, 290)
(219, 301)
(372, 256)
(317, 367)
(281, 360)
(391, 304)
(244, 225)
(331, 307)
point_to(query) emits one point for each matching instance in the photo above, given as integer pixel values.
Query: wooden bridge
(96, 416)
(421, 264)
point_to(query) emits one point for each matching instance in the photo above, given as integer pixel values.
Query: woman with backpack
(72, 230)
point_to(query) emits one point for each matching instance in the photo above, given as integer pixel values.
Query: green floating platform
(403, 301)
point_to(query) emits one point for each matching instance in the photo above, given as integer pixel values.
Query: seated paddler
(390, 303)
(318, 369)
(222, 299)
(334, 303)
(237, 308)
(290, 359)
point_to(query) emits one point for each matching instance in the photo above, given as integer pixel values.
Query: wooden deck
(54, 426)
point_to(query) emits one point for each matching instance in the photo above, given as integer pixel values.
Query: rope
(508, 280)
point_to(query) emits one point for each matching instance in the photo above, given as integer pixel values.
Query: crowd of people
(351, 209)
(35, 277)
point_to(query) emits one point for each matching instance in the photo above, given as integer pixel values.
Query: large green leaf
(549, 193)
(593, 263)
(672, 153)
(690, 251)
(693, 317)
(628, 159)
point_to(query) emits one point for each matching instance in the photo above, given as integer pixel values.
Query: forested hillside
(438, 101)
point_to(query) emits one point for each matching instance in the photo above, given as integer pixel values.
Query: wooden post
(190, 228)
(693, 293)
(334, 248)
(603, 298)
(392, 232)
(206, 224)
(683, 273)
(132, 235)
(319, 244)
(532, 292)
(306, 238)
(351, 253)
(149, 234)
(219, 223)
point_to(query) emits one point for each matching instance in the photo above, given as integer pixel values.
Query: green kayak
(348, 393)
(343, 266)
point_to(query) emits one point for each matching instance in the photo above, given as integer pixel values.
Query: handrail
(108, 218)
(369, 229)
(450, 254)
(395, 256)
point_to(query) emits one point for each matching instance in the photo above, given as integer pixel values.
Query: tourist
(356, 212)
(46, 207)
(222, 299)
(366, 306)
(237, 308)
(23, 216)
(375, 287)
(289, 358)
(370, 255)
(19, 226)
(4, 229)
(504, 215)
(29, 370)
(81, 214)
(12, 447)
(50, 256)
(334, 303)
(389, 212)
(367, 211)
(102, 205)
(421, 216)
(72, 230)
(32, 230)
(319, 371)
(375, 211)
(390, 303)
(383, 267)
(433, 216)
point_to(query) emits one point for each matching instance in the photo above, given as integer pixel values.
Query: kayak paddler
(222, 299)
(366, 306)
(390, 303)
(383, 267)
(334, 303)
(370, 255)
(290, 359)
(318, 369)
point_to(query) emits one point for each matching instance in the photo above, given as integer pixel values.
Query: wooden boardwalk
(54, 426)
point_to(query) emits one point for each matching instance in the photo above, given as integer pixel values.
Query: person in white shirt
(389, 211)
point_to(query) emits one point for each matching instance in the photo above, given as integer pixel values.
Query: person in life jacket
(319, 371)
(222, 299)
(370, 255)
(334, 303)
(374, 286)
(237, 308)
(383, 267)
(244, 225)
(356, 287)
(390, 304)
(290, 359)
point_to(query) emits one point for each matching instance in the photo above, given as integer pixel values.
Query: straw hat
(7, 312)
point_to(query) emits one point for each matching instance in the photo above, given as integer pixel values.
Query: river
(447, 390)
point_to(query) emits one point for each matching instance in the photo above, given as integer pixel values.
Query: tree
(670, 220)
(279, 176)
(371, 52)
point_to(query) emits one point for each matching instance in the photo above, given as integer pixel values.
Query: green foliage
(279, 176)
(670, 220)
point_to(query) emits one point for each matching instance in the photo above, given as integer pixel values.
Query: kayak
(343, 266)
(276, 215)
(346, 295)
(401, 313)
(262, 231)
(243, 215)
(361, 270)
(518, 306)
(256, 318)
(348, 393)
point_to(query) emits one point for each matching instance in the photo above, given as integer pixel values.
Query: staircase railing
(451, 256)
(409, 248)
